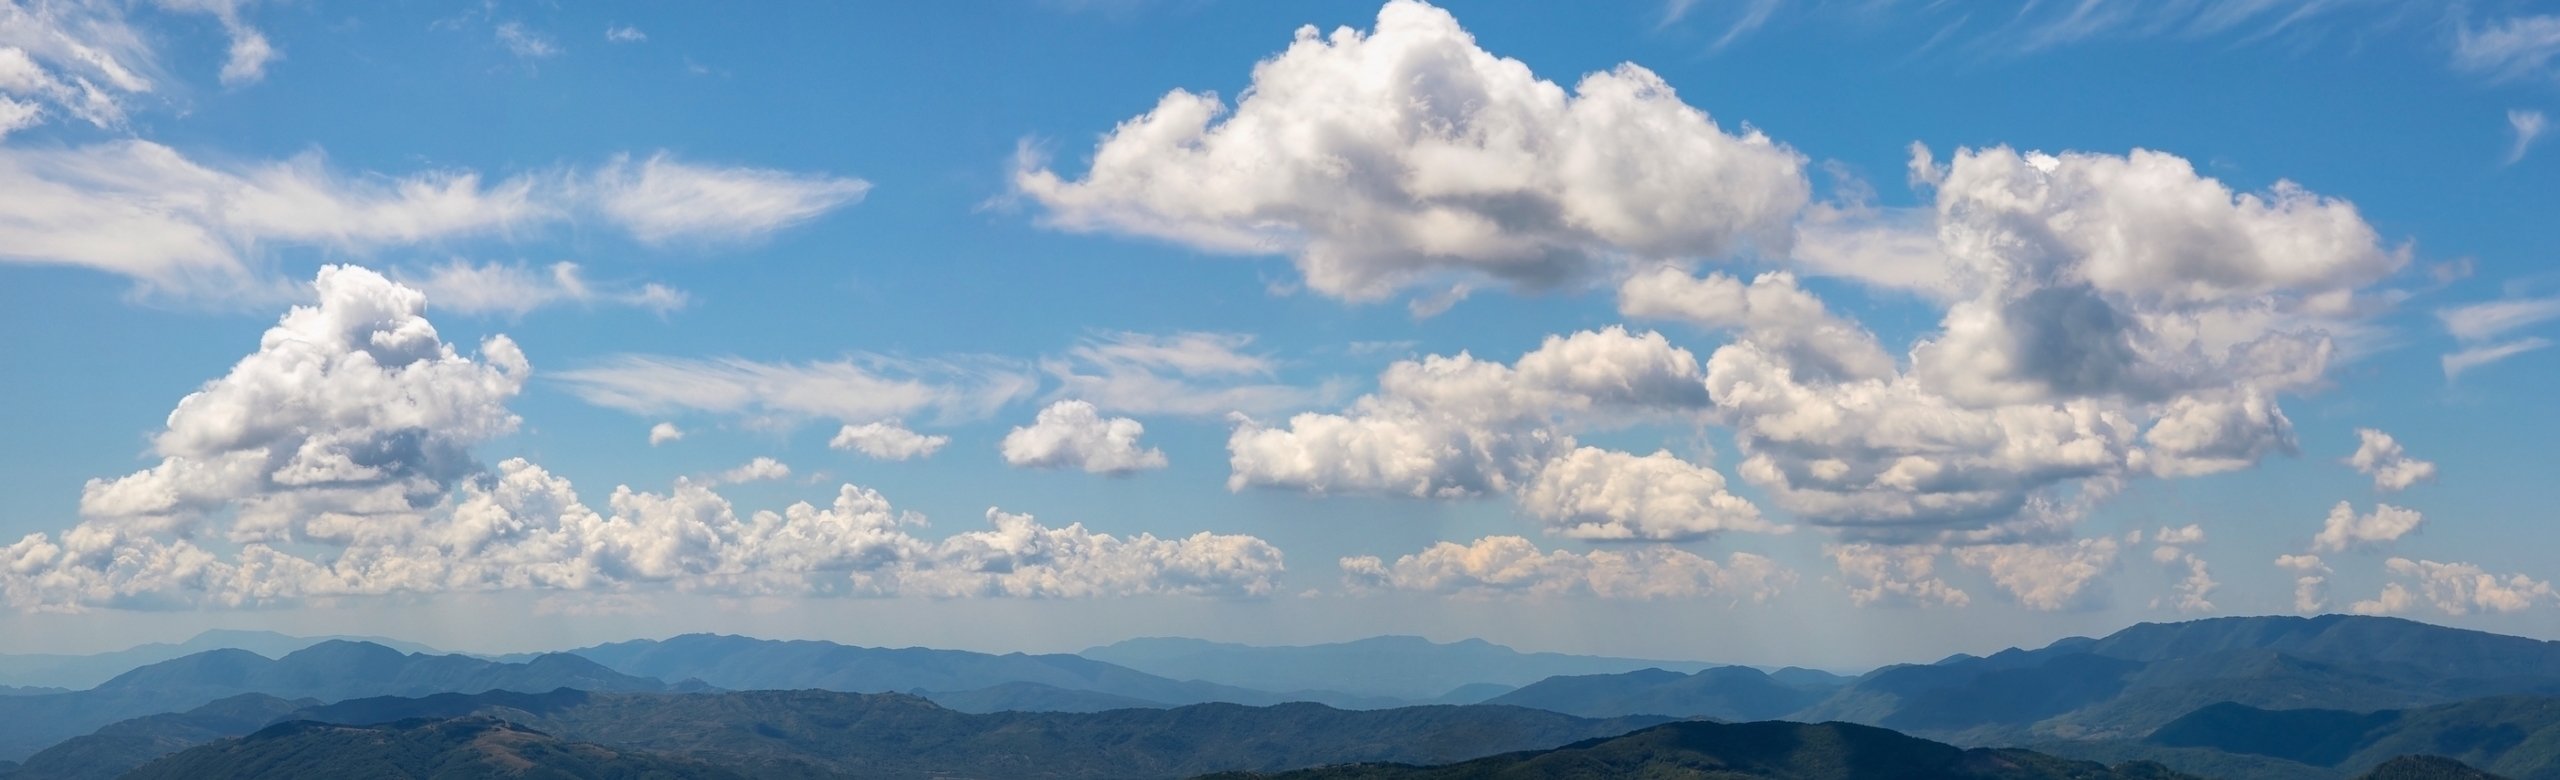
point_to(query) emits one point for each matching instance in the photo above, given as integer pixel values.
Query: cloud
(887, 440)
(2345, 529)
(2489, 320)
(2455, 589)
(2462, 361)
(336, 459)
(525, 43)
(1463, 164)
(864, 387)
(2528, 126)
(2379, 456)
(87, 60)
(176, 225)
(1770, 310)
(2510, 49)
(2194, 592)
(623, 33)
(516, 290)
(2310, 584)
(761, 469)
(664, 432)
(2044, 577)
(1894, 575)
(662, 200)
(1592, 493)
(1191, 374)
(1510, 566)
(1073, 434)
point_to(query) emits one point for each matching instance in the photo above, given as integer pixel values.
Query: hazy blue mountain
(746, 663)
(2515, 736)
(1404, 667)
(2124, 685)
(16, 690)
(331, 670)
(457, 748)
(119, 747)
(1733, 751)
(1033, 697)
(79, 672)
(1723, 693)
(1472, 693)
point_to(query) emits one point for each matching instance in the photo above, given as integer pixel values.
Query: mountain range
(1405, 667)
(78, 672)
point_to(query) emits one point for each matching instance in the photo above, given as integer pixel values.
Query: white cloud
(526, 43)
(2381, 457)
(2188, 535)
(1894, 574)
(623, 33)
(2455, 589)
(1022, 559)
(2194, 592)
(1510, 566)
(86, 59)
(173, 224)
(1771, 311)
(2044, 577)
(516, 290)
(2491, 319)
(1591, 493)
(2514, 48)
(2345, 529)
(1190, 374)
(664, 432)
(887, 440)
(858, 388)
(2461, 361)
(1073, 434)
(2310, 584)
(2528, 127)
(661, 200)
(761, 469)
(1464, 163)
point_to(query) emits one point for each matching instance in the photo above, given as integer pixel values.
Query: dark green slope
(1732, 751)
(119, 747)
(458, 748)
(2516, 736)
(2426, 768)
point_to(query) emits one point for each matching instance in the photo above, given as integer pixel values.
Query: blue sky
(1745, 377)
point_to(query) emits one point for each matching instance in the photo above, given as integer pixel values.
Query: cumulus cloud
(2194, 592)
(1894, 575)
(1771, 311)
(2345, 529)
(2310, 583)
(887, 440)
(516, 290)
(1592, 493)
(149, 212)
(2381, 457)
(2455, 589)
(1377, 160)
(761, 469)
(859, 388)
(1510, 566)
(335, 459)
(1190, 374)
(664, 432)
(1073, 434)
(2044, 577)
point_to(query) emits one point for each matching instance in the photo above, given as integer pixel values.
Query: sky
(1767, 331)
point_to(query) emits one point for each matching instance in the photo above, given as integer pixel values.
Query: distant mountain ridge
(1723, 693)
(1407, 667)
(459, 747)
(80, 672)
(1776, 750)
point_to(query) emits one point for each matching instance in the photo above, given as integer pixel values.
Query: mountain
(816, 733)
(1733, 751)
(2426, 768)
(745, 663)
(29, 690)
(1723, 693)
(1403, 667)
(121, 746)
(461, 747)
(80, 672)
(2126, 684)
(332, 670)
(1033, 697)
(2515, 736)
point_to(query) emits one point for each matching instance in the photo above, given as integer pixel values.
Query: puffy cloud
(1023, 559)
(1195, 374)
(2456, 589)
(1598, 494)
(2345, 529)
(2188, 535)
(1515, 567)
(863, 387)
(1379, 159)
(661, 199)
(2043, 577)
(1894, 574)
(174, 224)
(623, 33)
(2194, 592)
(1770, 311)
(664, 432)
(887, 441)
(515, 290)
(2310, 583)
(1073, 434)
(2379, 456)
(761, 469)
(350, 406)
